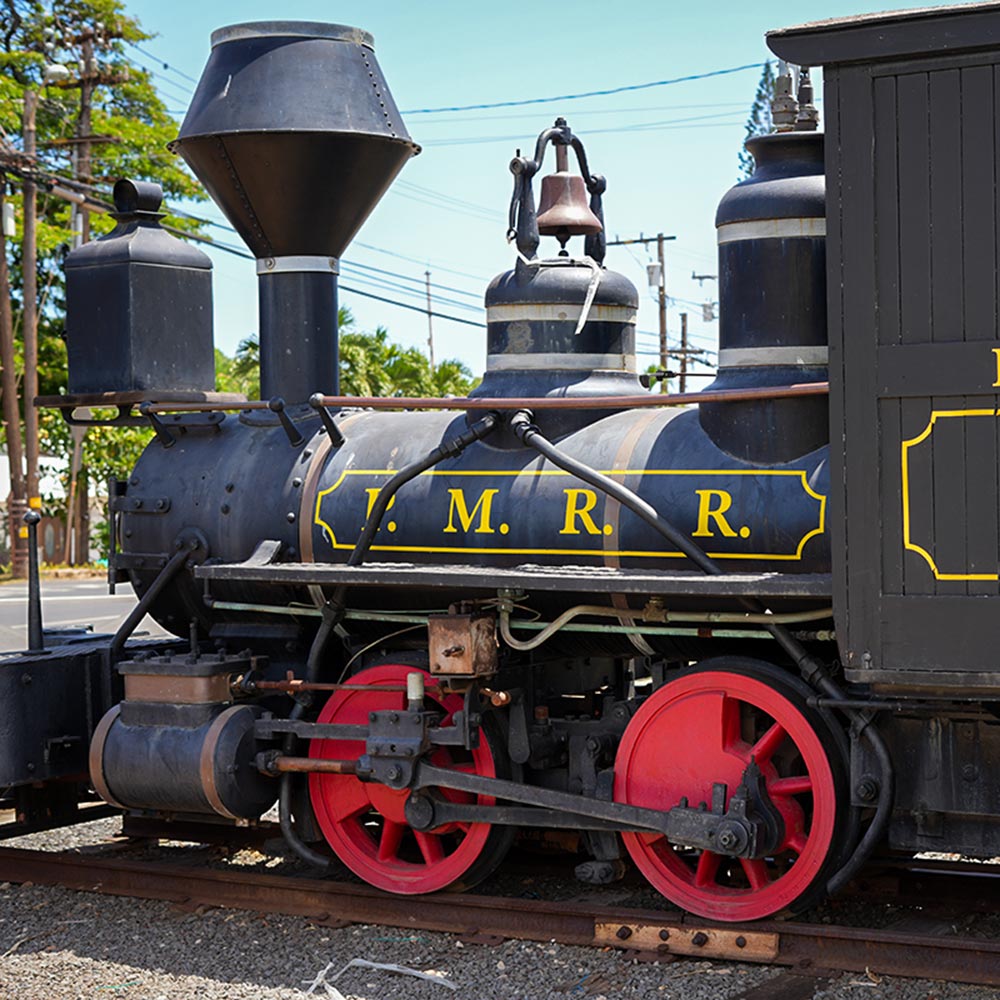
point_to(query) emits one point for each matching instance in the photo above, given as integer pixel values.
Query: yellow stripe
(431, 549)
(905, 446)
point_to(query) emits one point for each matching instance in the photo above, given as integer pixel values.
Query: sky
(669, 152)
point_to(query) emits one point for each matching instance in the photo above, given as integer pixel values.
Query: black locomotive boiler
(743, 641)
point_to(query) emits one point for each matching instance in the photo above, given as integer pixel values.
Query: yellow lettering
(483, 506)
(706, 511)
(373, 492)
(579, 503)
(996, 351)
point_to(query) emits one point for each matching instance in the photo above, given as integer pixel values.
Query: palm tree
(370, 365)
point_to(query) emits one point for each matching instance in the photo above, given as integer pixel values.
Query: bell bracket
(523, 217)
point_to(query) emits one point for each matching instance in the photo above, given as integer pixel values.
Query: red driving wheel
(703, 728)
(365, 822)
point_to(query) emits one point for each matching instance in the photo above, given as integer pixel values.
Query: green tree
(42, 46)
(759, 119)
(370, 365)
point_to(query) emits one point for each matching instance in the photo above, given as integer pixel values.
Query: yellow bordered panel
(905, 451)
(711, 509)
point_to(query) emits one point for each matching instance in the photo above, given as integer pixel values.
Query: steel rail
(662, 932)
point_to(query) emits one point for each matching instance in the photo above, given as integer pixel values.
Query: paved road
(65, 603)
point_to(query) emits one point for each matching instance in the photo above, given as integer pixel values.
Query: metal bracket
(139, 505)
(277, 405)
(122, 561)
(335, 434)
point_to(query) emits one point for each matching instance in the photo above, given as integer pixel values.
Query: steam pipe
(521, 402)
(566, 402)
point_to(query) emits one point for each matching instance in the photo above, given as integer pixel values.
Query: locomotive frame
(748, 737)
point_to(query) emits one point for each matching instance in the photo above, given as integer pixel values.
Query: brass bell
(563, 210)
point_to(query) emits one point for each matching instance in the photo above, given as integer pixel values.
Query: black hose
(883, 812)
(812, 669)
(483, 427)
(292, 838)
(127, 627)
(529, 435)
(317, 651)
(333, 612)
(476, 432)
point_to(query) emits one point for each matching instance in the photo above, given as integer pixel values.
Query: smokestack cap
(294, 133)
(292, 29)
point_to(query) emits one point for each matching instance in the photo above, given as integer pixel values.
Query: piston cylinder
(177, 743)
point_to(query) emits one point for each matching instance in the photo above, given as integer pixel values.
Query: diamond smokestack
(295, 135)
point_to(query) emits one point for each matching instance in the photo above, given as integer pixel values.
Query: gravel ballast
(57, 944)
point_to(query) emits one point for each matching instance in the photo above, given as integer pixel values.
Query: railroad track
(924, 949)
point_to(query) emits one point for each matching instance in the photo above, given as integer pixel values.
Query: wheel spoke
(392, 836)
(790, 786)
(798, 842)
(763, 749)
(756, 873)
(366, 824)
(720, 721)
(351, 798)
(708, 868)
(430, 847)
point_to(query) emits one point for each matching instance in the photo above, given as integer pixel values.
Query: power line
(678, 125)
(734, 105)
(406, 277)
(462, 202)
(49, 182)
(590, 93)
(381, 283)
(419, 309)
(149, 55)
(414, 260)
(444, 203)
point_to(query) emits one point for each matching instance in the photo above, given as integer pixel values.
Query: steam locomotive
(742, 638)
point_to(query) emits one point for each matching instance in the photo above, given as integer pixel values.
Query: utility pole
(83, 126)
(430, 321)
(659, 240)
(30, 304)
(663, 310)
(11, 416)
(684, 351)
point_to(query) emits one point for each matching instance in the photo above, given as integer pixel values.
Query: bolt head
(867, 789)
